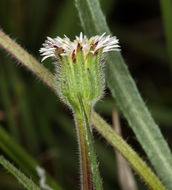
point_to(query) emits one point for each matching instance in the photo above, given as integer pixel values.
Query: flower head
(59, 47)
(80, 72)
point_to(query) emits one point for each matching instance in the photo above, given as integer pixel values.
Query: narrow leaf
(22, 158)
(7, 104)
(166, 8)
(25, 181)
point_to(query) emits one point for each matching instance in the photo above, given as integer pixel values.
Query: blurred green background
(35, 117)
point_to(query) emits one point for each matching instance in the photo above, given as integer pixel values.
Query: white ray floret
(65, 47)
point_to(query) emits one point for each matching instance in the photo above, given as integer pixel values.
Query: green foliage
(30, 112)
(130, 155)
(108, 136)
(25, 181)
(127, 96)
(22, 158)
(166, 8)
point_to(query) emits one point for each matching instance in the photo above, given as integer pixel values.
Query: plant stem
(90, 176)
(125, 176)
(26, 59)
(128, 153)
(86, 174)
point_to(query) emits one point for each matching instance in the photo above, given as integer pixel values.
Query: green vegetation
(37, 129)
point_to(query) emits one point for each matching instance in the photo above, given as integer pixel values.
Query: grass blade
(4, 93)
(22, 158)
(25, 181)
(30, 135)
(166, 8)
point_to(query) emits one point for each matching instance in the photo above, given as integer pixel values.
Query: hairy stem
(86, 174)
(26, 59)
(128, 153)
(89, 167)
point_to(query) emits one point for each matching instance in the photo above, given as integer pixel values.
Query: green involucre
(83, 76)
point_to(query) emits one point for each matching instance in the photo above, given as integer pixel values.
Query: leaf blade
(22, 158)
(25, 181)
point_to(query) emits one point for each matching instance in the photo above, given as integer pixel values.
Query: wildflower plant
(80, 82)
